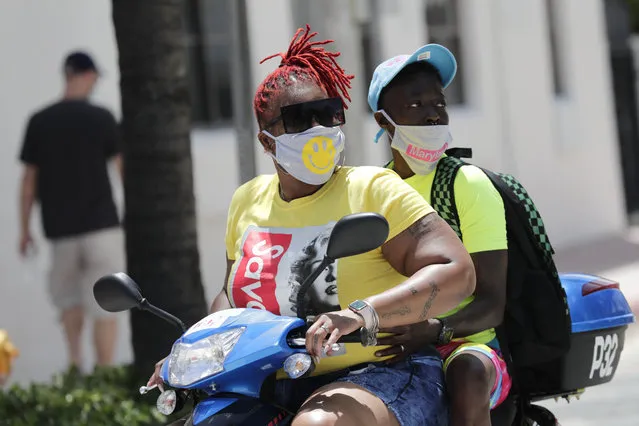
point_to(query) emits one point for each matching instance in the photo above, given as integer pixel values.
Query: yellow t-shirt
(274, 245)
(482, 220)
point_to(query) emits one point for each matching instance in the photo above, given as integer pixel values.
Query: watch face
(447, 334)
(358, 305)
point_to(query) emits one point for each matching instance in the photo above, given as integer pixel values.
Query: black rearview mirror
(356, 234)
(117, 293)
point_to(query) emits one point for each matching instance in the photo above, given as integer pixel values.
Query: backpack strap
(442, 193)
(534, 218)
(459, 152)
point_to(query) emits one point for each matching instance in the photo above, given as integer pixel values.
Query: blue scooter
(222, 362)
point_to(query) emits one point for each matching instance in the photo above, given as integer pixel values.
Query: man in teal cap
(408, 99)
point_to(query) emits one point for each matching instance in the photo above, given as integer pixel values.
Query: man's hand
(26, 242)
(28, 188)
(408, 339)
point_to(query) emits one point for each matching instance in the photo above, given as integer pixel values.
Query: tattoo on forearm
(404, 310)
(423, 226)
(429, 302)
(413, 290)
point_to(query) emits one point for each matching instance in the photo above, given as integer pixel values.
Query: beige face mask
(420, 146)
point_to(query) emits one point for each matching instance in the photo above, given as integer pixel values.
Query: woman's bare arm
(440, 270)
(221, 301)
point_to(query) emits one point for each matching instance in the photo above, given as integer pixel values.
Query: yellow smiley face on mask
(319, 155)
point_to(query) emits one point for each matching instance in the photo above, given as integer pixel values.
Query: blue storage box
(600, 315)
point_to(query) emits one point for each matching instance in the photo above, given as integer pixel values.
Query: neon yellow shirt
(274, 245)
(482, 220)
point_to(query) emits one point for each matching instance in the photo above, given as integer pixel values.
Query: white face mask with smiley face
(310, 156)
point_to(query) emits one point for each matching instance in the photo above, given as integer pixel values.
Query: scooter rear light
(598, 284)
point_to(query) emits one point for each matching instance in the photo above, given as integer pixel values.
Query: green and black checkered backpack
(536, 328)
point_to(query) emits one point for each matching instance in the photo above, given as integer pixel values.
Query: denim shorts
(413, 389)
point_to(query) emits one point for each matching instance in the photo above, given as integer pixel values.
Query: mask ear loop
(342, 159)
(270, 136)
(382, 130)
(270, 154)
(378, 135)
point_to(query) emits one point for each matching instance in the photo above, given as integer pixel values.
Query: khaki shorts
(78, 262)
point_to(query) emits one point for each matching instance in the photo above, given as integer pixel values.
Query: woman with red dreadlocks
(274, 223)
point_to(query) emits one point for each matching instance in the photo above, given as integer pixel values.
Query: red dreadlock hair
(304, 60)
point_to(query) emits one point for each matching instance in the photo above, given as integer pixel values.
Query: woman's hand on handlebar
(155, 378)
(328, 328)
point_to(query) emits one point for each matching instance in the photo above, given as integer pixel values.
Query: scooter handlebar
(354, 337)
(357, 336)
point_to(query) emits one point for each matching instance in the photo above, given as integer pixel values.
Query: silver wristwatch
(371, 321)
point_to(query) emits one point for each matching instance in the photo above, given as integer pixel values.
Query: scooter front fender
(216, 411)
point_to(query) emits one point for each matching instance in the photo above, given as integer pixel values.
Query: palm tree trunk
(161, 235)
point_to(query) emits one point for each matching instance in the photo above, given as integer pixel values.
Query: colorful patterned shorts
(503, 381)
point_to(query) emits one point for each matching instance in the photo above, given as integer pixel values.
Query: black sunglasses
(297, 118)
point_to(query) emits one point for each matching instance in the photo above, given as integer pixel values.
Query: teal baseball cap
(435, 54)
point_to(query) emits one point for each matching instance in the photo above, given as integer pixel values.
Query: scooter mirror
(117, 292)
(356, 234)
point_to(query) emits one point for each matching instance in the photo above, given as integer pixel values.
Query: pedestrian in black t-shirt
(65, 153)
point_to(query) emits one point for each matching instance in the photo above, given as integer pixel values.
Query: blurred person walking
(65, 152)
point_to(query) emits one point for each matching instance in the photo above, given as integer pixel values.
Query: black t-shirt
(70, 143)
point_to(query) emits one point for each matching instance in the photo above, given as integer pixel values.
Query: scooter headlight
(190, 362)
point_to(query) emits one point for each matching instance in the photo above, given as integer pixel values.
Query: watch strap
(371, 321)
(445, 333)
